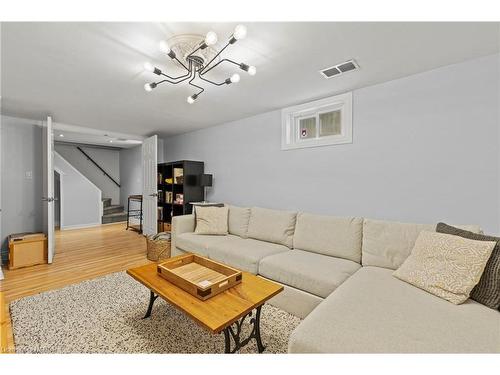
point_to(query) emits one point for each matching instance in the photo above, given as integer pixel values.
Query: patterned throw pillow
(211, 220)
(445, 265)
(487, 291)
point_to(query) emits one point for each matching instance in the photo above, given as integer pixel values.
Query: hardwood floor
(81, 254)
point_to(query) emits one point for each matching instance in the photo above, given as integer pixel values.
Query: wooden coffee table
(225, 312)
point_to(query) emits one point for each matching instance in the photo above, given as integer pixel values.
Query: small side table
(134, 213)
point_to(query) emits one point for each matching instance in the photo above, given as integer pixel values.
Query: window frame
(290, 116)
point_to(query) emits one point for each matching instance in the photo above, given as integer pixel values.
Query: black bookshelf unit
(178, 186)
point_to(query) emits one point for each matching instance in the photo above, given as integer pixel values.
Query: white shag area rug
(104, 316)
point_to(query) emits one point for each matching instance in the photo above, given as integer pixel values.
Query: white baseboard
(78, 226)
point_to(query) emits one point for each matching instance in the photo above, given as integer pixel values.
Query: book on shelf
(161, 197)
(168, 198)
(160, 178)
(160, 213)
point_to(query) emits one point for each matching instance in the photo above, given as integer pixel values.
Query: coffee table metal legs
(152, 299)
(232, 333)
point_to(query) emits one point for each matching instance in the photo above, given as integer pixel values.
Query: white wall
(426, 148)
(80, 199)
(108, 159)
(130, 173)
(21, 168)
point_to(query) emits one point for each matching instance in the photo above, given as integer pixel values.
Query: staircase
(112, 213)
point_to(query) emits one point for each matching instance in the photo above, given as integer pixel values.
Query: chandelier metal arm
(176, 78)
(180, 62)
(188, 74)
(220, 62)
(212, 82)
(192, 84)
(208, 64)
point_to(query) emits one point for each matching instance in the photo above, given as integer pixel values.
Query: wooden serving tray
(199, 276)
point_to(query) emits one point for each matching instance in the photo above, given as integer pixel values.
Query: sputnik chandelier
(196, 56)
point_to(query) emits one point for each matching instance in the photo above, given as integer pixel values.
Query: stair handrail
(97, 165)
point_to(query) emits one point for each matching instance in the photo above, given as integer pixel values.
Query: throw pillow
(211, 220)
(445, 265)
(487, 291)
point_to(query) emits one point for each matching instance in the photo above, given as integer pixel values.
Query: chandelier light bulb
(210, 38)
(235, 78)
(149, 67)
(252, 70)
(190, 100)
(149, 86)
(164, 47)
(240, 32)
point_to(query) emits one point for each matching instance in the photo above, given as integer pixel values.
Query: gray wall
(80, 198)
(130, 173)
(425, 149)
(108, 159)
(21, 148)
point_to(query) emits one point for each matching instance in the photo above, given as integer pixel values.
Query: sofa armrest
(182, 224)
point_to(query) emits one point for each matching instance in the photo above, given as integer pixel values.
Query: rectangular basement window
(320, 123)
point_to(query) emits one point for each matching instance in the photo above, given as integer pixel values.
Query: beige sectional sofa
(337, 275)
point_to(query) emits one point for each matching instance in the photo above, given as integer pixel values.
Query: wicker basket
(158, 246)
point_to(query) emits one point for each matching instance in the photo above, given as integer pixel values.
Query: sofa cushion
(272, 226)
(238, 220)
(373, 312)
(211, 220)
(199, 243)
(314, 273)
(329, 235)
(387, 243)
(487, 291)
(243, 254)
(445, 265)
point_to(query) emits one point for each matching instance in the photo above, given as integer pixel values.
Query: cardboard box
(27, 249)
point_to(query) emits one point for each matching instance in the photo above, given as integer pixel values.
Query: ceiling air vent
(339, 69)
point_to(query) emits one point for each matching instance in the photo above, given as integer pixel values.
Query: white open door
(1, 273)
(149, 185)
(48, 186)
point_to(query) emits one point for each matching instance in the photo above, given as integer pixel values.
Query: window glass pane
(329, 124)
(307, 128)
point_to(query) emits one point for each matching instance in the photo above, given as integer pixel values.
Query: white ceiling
(91, 74)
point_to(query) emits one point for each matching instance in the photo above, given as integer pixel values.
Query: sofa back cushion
(388, 243)
(238, 220)
(329, 235)
(272, 226)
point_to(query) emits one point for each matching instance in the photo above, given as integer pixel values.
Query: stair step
(106, 202)
(114, 208)
(114, 217)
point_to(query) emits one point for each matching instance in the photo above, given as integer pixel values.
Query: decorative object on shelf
(169, 181)
(205, 182)
(178, 176)
(198, 57)
(179, 198)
